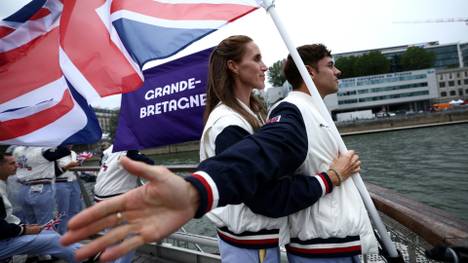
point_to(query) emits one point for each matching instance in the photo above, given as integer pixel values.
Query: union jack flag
(53, 223)
(55, 56)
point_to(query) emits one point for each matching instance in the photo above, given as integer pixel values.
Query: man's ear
(310, 70)
(232, 66)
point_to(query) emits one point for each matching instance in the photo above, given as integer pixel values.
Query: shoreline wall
(421, 119)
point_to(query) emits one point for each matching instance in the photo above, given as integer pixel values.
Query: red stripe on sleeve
(208, 190)
(325, 182)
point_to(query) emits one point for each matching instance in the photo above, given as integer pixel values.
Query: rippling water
(429, 165)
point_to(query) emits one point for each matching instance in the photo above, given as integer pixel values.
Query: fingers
(77, 234)
(148, 172)
(357, 167)
(92, 220)
(123, 248)
(108, 239)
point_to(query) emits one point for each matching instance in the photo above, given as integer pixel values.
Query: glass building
(401, 91)
(410, 90)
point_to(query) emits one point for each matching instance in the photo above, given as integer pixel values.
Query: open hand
(145, 214)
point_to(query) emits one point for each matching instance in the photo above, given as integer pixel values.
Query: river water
(429, 165)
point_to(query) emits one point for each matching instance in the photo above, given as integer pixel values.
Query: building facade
(411, 90)
(401, 91)
(105, 118)
(452, 84)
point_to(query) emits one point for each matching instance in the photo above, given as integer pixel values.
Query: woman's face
(250, 71)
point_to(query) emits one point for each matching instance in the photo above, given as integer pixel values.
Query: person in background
(112, 180)
(17, 238)
(67, 189)
(36, 174)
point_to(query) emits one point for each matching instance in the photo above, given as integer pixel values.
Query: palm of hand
(158, 209)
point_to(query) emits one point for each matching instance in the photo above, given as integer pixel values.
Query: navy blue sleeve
(56, 153)
(8, 230)
(2, 208)
(297, 192)
(289, 194)
(137, 156)
(276, 149)
(228, 137)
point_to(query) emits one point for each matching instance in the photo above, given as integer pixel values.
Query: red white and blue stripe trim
(325, 182)
(209, 195)
(253, 240)
(325, 247)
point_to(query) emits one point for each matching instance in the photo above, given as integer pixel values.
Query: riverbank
(403, 122)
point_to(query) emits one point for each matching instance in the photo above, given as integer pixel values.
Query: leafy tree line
(375, 62)
(372, 63)
(275, 74)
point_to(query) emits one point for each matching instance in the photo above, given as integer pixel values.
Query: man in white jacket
(67, 189)
(17, 238)
(336, 228)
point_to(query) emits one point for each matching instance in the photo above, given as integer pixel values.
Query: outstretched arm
(159, 208)
(151, 212)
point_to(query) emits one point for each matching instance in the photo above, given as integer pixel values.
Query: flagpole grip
(317, 100)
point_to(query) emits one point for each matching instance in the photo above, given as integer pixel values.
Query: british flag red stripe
(184, 11)
(19, 127)
(90, 51)
(100, 61)
(43, 49)
(37, 106)
(5, 30)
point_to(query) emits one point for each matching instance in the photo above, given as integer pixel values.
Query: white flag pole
(317, 100)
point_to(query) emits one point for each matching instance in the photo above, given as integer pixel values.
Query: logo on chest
(274, 119)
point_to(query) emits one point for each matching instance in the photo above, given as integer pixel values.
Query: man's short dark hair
(2, 156)
(310, 54)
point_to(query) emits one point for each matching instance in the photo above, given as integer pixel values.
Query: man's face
(326, 76)
(8, 166)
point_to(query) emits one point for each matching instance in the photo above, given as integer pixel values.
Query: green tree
(372, 63)
(346, 65)
(113, 123)
(275, 74)
(416, 58)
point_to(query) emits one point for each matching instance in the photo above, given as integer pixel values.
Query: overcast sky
(342, 25)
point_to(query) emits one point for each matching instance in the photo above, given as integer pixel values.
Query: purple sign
(168, 108)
